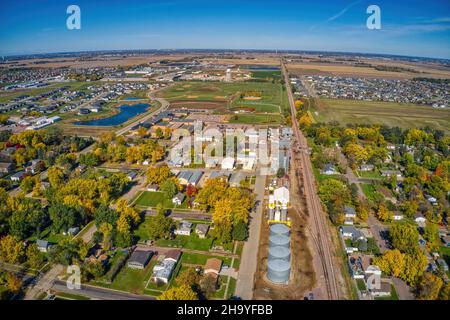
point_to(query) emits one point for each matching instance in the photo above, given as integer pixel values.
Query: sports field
(268, 98)
(385, 113)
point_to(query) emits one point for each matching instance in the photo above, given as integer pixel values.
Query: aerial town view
(224, 150)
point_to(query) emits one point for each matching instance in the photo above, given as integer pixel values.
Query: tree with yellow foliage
(305, 121)
(182, 292)
(55, 176)
(383, 214)
(391, 262)
(11, 250)
(158, 174)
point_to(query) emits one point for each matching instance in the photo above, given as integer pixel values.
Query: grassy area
(360, 284)
(370, 174)
(70, 296)
(188, 242)
(385, 113)
(369, 190)
(266, 74)
(256, 119)
(152, 199)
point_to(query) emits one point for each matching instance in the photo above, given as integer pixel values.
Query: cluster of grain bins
(279, 260)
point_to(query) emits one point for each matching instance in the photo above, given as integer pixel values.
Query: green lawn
(131, 280)
(256, 119)
(70, 296)
(267, 74)
(360, 284)
(188, 242)
(369, 190)
(152, 199)
(369, 174)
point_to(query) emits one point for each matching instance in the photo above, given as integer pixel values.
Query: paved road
(99, 293)
(319, 225)
(44, 283)
(249, 257)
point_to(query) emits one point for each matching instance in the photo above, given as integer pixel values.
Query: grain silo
(277, 252)
(279, 240)
(278, 271)
(279, 229)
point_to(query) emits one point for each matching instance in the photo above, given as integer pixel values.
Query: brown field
(83, 131)
(339, 69)
(98, 61)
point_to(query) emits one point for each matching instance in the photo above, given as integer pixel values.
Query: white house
(329, 169)
(419, 219)
(397, 216)
(228, 163)
(178, 199)
(184, 229)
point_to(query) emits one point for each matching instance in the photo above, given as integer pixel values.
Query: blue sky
(414, 27)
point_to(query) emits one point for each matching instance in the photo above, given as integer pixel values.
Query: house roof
(195, 177)
(202, 228)
(213, 264)
(140, 256)
(173, 254)
(42, 243)
(349, 210)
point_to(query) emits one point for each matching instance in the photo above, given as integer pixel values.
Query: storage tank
(279, 229)
(278, 270)
(281, 253)
(279, 240)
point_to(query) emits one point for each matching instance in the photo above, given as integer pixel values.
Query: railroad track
(319, 232)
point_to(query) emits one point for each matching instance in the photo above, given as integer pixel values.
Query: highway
(319, 226)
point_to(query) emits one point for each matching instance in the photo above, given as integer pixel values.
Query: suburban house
(6, 167)
(139, 259)
(442, 264)
(178, 199)
(163, 270)
(236, 178)
(329, 169)
(184, 228)
(349, 212)
(73, 231)
(397, 216)
(352, 232)
(43, 245)
(420, 219)
(34, 166)
(212, 268)
(228, 163)
(17, 177)
(202, 230)
(184, 176)
(132, 175)
(152, 187)
(390, 173)
(366, 167)
(348, 222)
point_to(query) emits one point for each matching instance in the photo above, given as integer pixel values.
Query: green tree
(169, 188)
(240, 232)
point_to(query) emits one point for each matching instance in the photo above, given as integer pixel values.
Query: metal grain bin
(279, 229)
(279, 240)
(281, 253)
(278, 271)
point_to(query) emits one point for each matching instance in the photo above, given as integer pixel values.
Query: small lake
(126, 112)
(261, 68)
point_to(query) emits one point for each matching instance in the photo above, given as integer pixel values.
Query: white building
(228, 163)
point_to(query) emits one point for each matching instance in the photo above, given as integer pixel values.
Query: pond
(126, 112)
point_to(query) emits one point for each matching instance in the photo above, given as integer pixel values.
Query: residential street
(249, 258)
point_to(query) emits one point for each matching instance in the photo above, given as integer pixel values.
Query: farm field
(384, 113)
